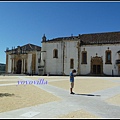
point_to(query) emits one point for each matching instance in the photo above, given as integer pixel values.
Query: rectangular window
(71, 63)
(84, 58)
(108, 57)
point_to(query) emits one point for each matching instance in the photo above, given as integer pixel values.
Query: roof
(100, 38)
(31, 47)
(94, 38)
(27, 47)
(62, 38)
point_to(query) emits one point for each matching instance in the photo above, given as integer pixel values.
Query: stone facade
(22, 59)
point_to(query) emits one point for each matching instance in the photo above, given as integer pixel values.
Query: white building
(89, 54)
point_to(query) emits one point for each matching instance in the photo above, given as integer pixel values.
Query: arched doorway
(96, 65)
(19, 66)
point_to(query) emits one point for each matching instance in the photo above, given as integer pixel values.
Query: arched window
(55, 53)
(71, 63)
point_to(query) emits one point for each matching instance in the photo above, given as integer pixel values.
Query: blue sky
(26, 22)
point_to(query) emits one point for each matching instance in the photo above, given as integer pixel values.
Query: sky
(26, 22)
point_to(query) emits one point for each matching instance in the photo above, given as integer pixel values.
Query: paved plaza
(95, 97)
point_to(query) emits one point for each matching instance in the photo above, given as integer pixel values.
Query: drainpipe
(78, 47)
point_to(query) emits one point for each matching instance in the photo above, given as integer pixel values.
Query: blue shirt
(71, 77)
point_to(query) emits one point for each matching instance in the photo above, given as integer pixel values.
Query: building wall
(100, 50)
(52, 65)
(55, 65)
(71, 52)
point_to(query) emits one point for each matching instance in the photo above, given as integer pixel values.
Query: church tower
(44, 38)
(42, 65)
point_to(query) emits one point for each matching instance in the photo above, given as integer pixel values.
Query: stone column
(7, 63)
(22, 67)
(13, 65)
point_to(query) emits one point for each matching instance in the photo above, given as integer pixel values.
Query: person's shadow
(5, 94)
(87, 94)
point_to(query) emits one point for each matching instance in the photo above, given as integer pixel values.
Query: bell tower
(44, 38)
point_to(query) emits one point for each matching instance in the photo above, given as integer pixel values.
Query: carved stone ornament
(19, 51)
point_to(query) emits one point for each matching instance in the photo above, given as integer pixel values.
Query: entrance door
(96, 69)
(96, 65)
(19, 66)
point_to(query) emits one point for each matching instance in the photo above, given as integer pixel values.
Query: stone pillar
(33, 63)
(24, 65)
(13, 65)
(6, 63)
